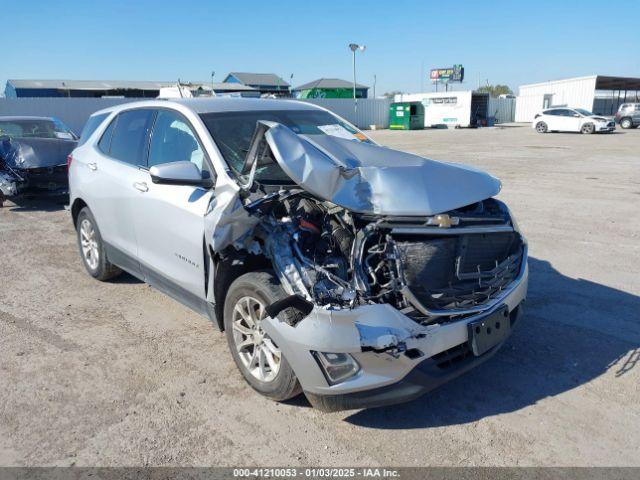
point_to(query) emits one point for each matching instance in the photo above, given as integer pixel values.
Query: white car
(571, 120)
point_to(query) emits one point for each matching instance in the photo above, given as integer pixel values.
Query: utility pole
(354, 47)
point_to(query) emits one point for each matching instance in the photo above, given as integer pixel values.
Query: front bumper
(606, 127)
(43, 181)
(426, 376)
(399, 358)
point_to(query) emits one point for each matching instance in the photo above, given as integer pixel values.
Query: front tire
(541, 127)
(92, 248)
(588, 128)
(257, 356)
(626, 123)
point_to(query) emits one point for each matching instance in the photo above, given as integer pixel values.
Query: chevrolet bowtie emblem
(443, 221)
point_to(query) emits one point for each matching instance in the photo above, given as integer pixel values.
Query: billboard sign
(450, 74)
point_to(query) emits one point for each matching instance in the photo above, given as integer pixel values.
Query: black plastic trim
(160, 282)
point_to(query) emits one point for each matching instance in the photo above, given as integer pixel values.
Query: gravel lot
(118, 374)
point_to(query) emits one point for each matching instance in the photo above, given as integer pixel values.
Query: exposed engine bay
(431, 267)
(335, 258)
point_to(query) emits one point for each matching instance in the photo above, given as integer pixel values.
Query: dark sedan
(33, 156)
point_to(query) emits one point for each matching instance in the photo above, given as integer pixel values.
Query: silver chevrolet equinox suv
(357, 274)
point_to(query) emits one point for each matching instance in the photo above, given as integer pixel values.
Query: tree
(495, 90)
(392, 94)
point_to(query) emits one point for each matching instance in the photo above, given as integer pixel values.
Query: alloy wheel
(89, 244)
(541, 127)
(587, 128)
(260, 356)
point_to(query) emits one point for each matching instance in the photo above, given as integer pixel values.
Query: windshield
(233, 131)
(35, 128)
(584, 112)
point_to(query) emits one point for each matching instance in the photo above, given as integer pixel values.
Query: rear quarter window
(92, 124)
(104, 145)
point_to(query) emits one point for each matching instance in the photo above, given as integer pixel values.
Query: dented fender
(351, 331)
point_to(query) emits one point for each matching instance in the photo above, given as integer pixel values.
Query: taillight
(537, 115)
(69, 160)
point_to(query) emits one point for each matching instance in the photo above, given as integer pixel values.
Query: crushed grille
(462, 271)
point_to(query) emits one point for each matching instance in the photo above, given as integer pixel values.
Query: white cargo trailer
(451, 109)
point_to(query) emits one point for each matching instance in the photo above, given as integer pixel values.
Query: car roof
(23, 117)
(214, 105)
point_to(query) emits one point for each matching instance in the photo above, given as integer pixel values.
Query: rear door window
(129, 140)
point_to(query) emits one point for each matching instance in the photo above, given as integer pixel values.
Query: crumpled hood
(26, 153)
(370, 179)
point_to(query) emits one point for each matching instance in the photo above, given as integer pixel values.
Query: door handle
(92, 166)
(142, 186)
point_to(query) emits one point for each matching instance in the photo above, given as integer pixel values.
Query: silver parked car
(628, 115)
(358, 274)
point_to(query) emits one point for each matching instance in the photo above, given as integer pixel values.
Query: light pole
(354, 47)
(213, 74)
(374, 85)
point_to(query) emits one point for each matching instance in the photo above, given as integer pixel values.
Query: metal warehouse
(597, 93)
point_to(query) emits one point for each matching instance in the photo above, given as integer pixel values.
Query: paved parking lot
(119, 374)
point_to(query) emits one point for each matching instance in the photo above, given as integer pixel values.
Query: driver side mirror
(179, 173)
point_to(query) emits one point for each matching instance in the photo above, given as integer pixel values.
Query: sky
(499, 42)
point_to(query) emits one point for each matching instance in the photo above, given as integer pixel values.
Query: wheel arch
(78, 205)
(228, 266)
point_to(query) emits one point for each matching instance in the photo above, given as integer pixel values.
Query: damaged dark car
(357, 274)
(33, 156)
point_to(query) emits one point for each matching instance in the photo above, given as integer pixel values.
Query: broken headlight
(337, 367)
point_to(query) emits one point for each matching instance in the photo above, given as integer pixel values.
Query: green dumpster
(406, 116)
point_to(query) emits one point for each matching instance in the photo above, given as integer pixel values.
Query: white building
(597, 93)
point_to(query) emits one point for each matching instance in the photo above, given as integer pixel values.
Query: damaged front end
(34, 165)
(383, 280)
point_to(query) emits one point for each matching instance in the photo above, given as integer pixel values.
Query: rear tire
(258, 358)
(626, 123)
(588, 128)
(92, 248)
(541, 127)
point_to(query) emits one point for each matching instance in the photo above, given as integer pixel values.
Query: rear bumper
(426, 376)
